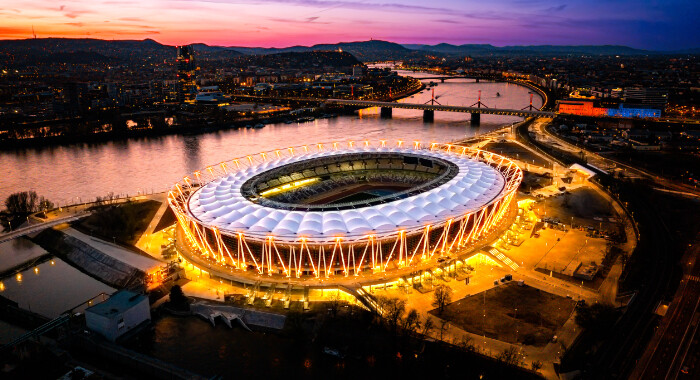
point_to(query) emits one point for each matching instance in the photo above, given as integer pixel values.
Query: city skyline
(281, 23)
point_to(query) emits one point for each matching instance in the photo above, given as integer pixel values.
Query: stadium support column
(476, 119)
(428, 116)
(385, 112)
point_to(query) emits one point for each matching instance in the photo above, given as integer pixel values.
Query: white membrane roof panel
(220, 203)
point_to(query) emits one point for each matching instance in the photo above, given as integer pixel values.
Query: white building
(122, 312)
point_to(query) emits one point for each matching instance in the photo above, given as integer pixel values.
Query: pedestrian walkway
(34, 228)
(501, 257)
(150, 229)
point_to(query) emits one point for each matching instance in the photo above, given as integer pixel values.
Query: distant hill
(82, 50)
(300, 60)
(32, 50)
(453, 49)
(204, 51)
(486, 49)
(372, 50)
(376, 50)
(87, 50)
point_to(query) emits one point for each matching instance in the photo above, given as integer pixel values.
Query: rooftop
(117, 304)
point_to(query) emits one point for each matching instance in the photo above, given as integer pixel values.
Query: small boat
(248, 126)
(288, 122)
(498, 94)
(259, 126)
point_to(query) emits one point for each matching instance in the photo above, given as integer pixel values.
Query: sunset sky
(659, 25)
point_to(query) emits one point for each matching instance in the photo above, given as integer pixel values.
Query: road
(30, 229)
(675, 344)
(618, 355)
(607, 164)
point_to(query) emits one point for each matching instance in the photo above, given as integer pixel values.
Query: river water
(80, 172)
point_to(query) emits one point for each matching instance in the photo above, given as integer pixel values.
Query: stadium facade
(336, 210)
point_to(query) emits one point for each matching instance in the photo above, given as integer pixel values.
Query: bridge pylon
(530, 107)
(476, 117)
(478, 103)
(433, 99)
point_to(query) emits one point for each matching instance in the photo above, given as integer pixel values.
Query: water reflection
(18, 251)
(44, 289)
(192, 153)
(124, 167)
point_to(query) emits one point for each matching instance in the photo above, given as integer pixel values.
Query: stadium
(338, 211)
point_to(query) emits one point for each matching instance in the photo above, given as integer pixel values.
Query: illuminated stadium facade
(333, 211)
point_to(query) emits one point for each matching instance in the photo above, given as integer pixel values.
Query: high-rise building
(186, 74)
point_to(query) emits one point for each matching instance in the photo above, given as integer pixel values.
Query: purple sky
(658, 25)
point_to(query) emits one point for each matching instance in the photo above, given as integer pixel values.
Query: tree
(394, 309)
(428, 326)
(412, 321)
(44, 204)
(466, 343)
(598, 318)
(509, 356)
(536, 365)
(178, 300)
(441, 297)
(444, 325)
(24, 202)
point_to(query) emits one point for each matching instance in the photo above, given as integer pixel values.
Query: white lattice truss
(339, 256)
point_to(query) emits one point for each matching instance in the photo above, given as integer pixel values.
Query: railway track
(619, 353)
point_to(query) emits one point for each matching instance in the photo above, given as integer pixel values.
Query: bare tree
(44, 204)
(428, 326)
(509, 356)
(441, 297)
(465, 343)
(412, 321)
(394, 309)
(536, 365)
(444, 325)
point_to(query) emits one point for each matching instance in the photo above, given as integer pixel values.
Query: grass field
(537, 318)
(123, 222)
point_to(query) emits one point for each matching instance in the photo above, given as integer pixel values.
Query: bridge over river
(430, 108)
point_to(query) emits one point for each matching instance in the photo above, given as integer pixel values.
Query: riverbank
(177, 129)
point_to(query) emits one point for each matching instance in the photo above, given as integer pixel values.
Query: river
(80, 172)
(69, 174)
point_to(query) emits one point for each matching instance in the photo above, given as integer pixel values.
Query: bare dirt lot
(583, 204)
(537, 318)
